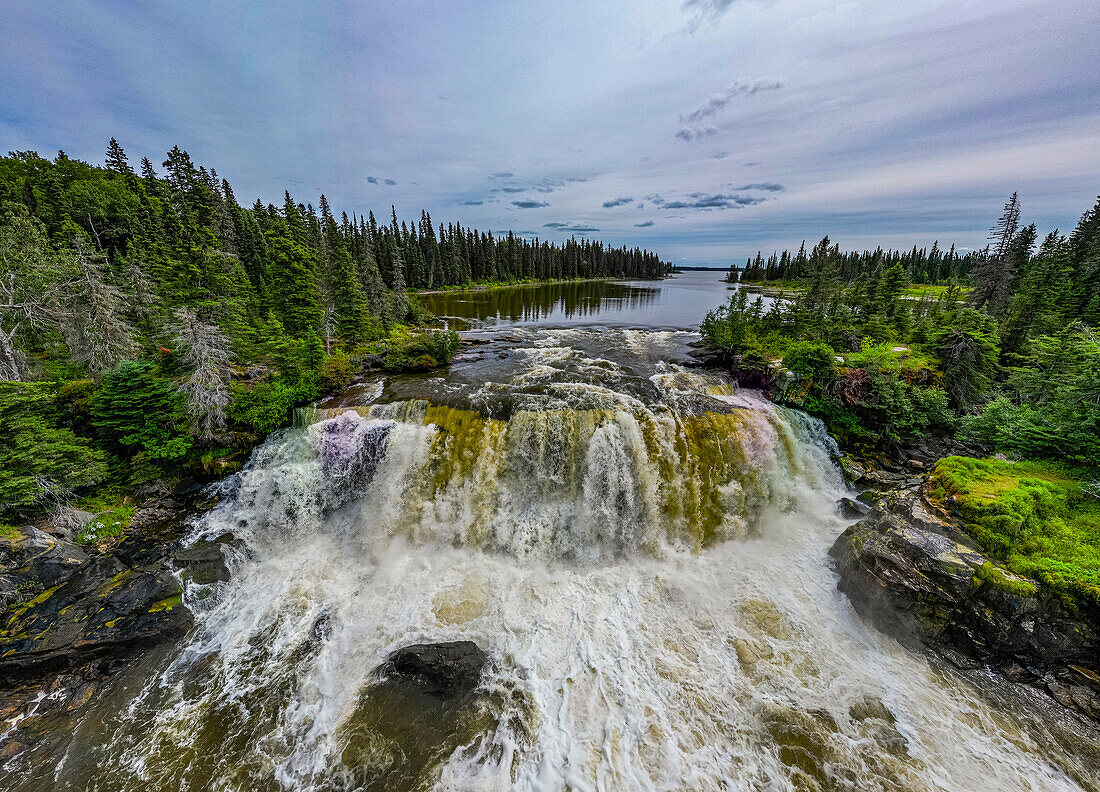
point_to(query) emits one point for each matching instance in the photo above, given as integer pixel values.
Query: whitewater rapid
(641, 549)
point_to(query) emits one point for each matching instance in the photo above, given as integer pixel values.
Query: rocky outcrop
(909, 569)
(65, 607)
(447, 671)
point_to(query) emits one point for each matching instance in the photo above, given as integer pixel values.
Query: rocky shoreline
(910, 569)
(74, 616)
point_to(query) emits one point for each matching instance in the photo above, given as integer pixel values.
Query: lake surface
(641, 548)
(676, 303)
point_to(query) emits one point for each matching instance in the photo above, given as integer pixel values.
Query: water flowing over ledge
(642, 551)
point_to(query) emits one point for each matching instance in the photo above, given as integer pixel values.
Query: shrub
(40, 456)
(267, 405)
(141, 412)
(336, 373)
(419, 351)
(813, 361)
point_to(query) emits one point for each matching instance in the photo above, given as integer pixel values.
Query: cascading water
(641, 549)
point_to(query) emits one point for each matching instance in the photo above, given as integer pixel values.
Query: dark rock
(851, 509)
(65, 607)
(204, 561)
(444, 670)
(909, 569)
(372, 362)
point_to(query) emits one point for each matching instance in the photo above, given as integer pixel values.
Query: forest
(152, 327)
(1005, 353)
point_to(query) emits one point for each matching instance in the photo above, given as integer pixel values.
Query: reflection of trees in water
(531, 303)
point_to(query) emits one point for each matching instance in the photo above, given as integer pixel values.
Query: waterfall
(641, 548)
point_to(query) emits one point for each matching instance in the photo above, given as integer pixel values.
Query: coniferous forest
(1001, 349)
(150, 324)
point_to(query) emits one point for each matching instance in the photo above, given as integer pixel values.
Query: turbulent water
(642, 550)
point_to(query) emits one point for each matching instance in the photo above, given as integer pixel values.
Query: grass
(112, 516)
(914, 290)
(7, 530)
(919, 290)
(1032, 516)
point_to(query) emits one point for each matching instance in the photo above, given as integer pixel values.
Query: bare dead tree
(93, 325)
(35, 284)
(207, 355)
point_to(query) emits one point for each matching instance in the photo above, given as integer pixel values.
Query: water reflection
(675, 303)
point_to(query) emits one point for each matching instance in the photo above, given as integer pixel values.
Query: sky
(701, 129)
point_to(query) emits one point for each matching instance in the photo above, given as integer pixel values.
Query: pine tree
(993, 277)
(116, 159)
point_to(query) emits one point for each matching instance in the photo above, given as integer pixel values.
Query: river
(640, 547)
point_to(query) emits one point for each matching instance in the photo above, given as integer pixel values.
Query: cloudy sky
(703, 129)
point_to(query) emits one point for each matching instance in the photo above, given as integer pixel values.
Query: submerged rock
(909, 569)
(444, 670)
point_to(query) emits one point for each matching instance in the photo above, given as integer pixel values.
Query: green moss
(992, 575)
(167, 604)
(7, 531)
(1032, 516)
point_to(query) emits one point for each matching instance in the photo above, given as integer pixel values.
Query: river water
(641, 548)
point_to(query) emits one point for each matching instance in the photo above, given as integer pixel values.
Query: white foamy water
(649, 575)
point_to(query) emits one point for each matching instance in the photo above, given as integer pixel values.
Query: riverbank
(916, 569)
(494, 285)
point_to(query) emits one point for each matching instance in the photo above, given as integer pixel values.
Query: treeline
(1012, 361)
(150, 324)
(922, 265)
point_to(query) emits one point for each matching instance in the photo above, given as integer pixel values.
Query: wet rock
(851, 509)
(444, 670)
(65, 607)
(909, 569)
(205, 561)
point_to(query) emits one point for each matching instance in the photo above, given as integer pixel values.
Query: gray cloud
(646, 224)
(372, 179)
(390, 182)
(707, 201)
(512, 189)
(766, 186)
(472, 203)
(719, 101)
(571, 228)
(529, 204)
(617, 202)
(502, 175)
(720, 155)
(694, 133)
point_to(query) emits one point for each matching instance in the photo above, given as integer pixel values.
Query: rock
(444, 670)
(909, 569)
(204, 561)
(64, 607)
(914, 464)
(851, 509)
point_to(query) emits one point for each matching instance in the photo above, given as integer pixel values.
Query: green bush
(336, 373)
(141, 413)
(420, 351)
(813, 361)
(267, 405)
(41, 457)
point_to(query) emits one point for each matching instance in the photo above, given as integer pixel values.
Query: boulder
(910, 570)
(851, 509)
(444, 670)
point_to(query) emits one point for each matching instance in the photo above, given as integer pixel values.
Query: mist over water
(641, 548)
